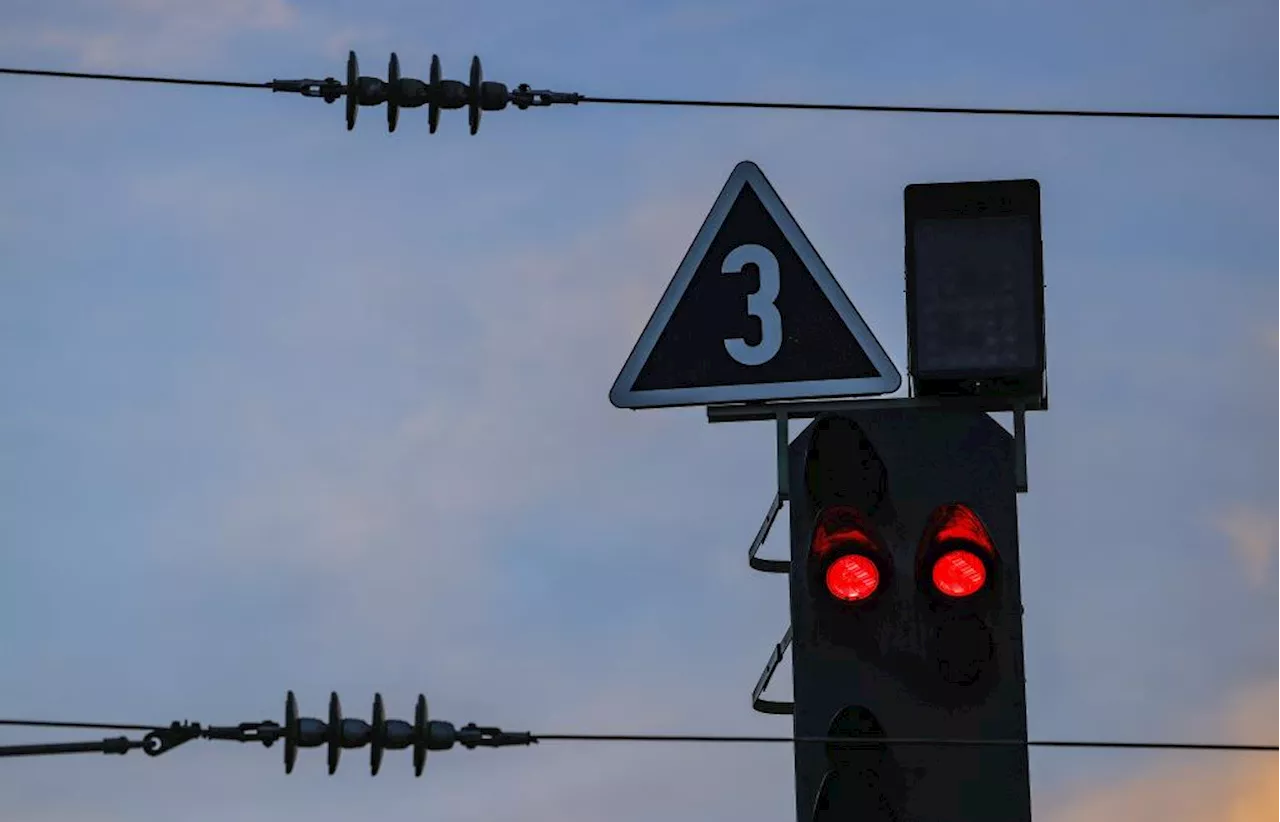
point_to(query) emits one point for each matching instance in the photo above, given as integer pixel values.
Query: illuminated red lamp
(848, 558)
(958, 552)
(852, 577)
(959, 573)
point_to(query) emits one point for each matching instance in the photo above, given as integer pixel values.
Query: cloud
(1252, 536)
(1271, 339)
(470, 416)
(709, 16)
(357, 36)
(148, 33)
(523, 410)
(1244, 791)
(1193, 786)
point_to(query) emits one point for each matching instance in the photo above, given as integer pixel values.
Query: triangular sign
(753, 313)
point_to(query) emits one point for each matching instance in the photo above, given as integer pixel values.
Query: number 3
(760, 304)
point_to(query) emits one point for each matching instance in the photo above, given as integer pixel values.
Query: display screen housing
(975, 289)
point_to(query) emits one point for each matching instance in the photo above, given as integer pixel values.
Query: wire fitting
(473, 736)
(523, 97)
(328, 89)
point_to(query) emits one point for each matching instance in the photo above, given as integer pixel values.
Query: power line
(1023, 112)
(339, 90)
(720, 738)
(132, 78)
(867, 740)
(92, 726)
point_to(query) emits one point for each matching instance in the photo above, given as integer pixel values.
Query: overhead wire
(744, 104)
(91, 726)
(132, 78)
(915, 741)
(722, 738)
(1022, 112)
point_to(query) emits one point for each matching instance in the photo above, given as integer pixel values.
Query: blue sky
(291, 407)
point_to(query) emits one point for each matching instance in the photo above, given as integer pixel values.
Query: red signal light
(959, 573)
(852, 577)
(957, 554)
(844, 554)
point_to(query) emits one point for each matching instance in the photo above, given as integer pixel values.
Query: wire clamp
(163, 740)
(327, 89)
(472, 736)
(523, 97)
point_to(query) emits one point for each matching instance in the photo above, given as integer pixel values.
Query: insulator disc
(420, 736)
(353, 89)
(335, 731)
(393, 92)
(379, 735)
(473, 98)
(433, 108)
(290, 732)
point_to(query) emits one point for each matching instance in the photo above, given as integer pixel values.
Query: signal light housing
(957, 557)
(927, 499)
(842, 467)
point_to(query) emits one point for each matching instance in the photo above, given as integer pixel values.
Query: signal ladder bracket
(774, 566)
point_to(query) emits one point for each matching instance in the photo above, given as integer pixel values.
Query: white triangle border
(887, 380)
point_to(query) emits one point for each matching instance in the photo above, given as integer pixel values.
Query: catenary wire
(93, 726)
(713, 738)
(1024, 112)
(132, 78)
(836, 740)
(749, 104)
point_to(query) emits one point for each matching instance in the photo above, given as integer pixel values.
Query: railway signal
(906, 617)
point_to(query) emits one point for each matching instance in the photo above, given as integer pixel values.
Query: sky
(291, 407)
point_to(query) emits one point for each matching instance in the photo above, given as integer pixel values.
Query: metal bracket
(1020, 447)
(801, 409)
(774, 566)
(769, 706)
(769, 566)
(759, 411)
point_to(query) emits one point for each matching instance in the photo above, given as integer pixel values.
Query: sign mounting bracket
(780, 412)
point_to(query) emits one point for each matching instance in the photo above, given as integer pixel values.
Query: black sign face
(752, 314)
